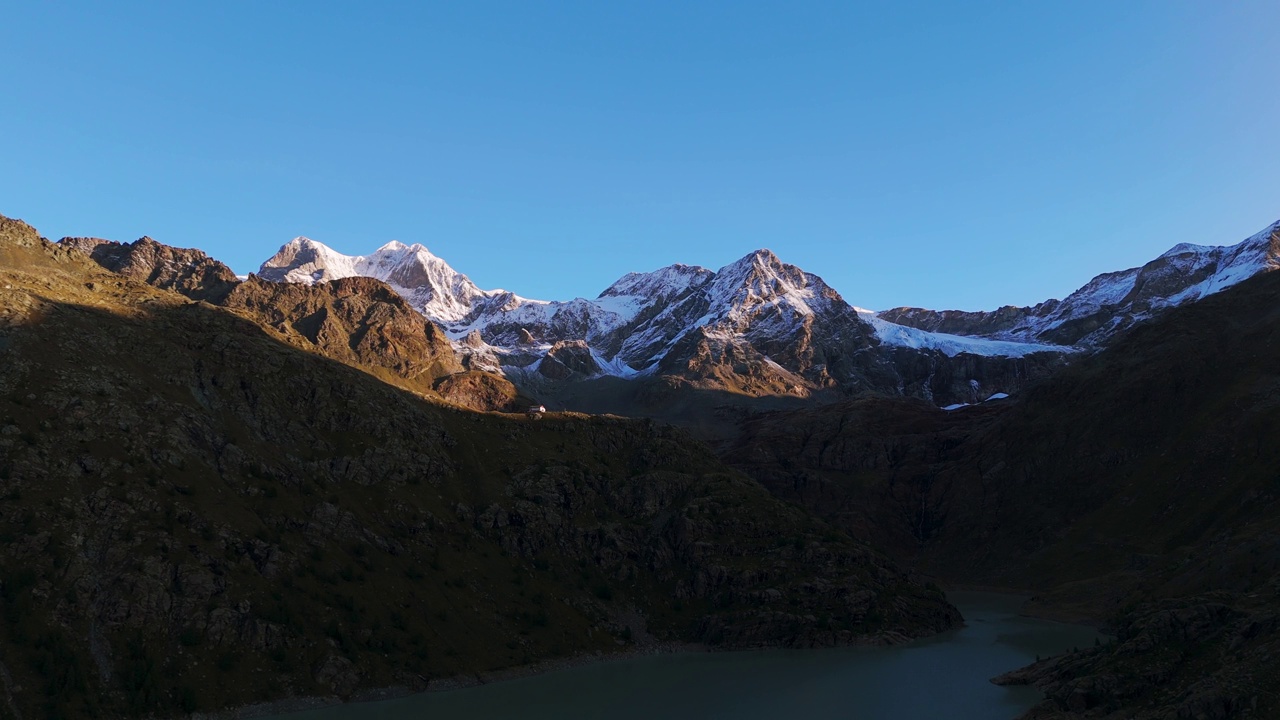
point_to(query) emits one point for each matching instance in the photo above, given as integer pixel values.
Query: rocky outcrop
(1211, 657)
(568, 358)
(15, 233)
(355, 320)
(187, 271)
(482, 391)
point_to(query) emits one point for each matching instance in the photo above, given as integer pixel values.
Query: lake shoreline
(463, 681)
(453, 682)
(475, 679)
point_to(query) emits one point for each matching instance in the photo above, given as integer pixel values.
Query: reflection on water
(943, 676)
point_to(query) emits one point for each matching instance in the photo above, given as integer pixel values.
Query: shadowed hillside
(196, 514)
(1137, 484)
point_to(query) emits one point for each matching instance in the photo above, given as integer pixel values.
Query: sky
(944, 155)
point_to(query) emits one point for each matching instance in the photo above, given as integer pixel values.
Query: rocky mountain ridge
(763, 327)
(1136, 485)
(757, 326)
(1112, 302)
(356, 320)
(425, 281)
(188, 271)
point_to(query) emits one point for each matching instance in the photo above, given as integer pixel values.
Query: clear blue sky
(944, 154)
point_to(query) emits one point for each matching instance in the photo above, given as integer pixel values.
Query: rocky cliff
(187, 271)
(356, 320)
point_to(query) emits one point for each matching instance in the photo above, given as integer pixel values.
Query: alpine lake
(945, 676)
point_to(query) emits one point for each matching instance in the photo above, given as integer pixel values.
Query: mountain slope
(1137, 486)
(1112, 302)
(1173, 419)
(761, 327)
(197, 515)
(187, 271)
(357, 320)
(424, 280)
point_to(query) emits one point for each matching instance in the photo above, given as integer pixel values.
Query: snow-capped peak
(1184, 248)
(427, 282)
(303, 260)
(663, 283)
(760, 263)
(760, 281)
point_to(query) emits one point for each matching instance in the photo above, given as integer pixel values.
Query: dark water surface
(942, 677)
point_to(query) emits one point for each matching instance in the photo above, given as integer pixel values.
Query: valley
(318, 480)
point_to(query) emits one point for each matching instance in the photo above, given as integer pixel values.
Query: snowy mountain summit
(761, 326)
(424, 280)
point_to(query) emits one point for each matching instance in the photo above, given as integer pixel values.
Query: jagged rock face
(762, 327)
(507, 320)
(960, 322)
(766, 318)
(356, 320)
(17, 234)
(566, 359)
(968, 378)
(187, 271)
(712, 362)
(198, 501)
(1111, 302)
(772, 329)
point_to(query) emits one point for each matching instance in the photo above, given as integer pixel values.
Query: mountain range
(760, 326)
(1136, 486)
(246, 480)
(208, 504)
